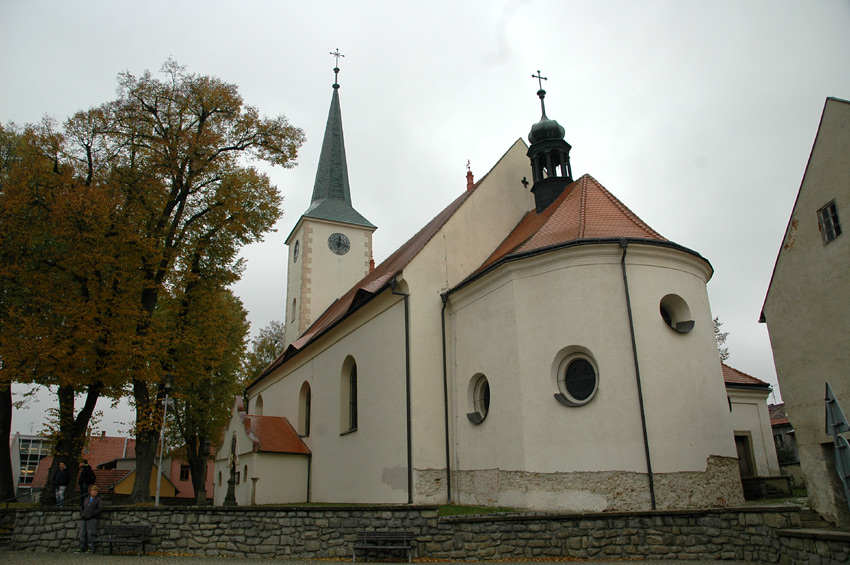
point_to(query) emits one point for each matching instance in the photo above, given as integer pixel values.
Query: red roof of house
(777, 415)
(273, 434)
(735, 377)
(103, 477)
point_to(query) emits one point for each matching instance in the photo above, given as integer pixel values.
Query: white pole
(161, 448)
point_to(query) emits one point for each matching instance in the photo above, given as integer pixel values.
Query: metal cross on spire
(337, 55)
(541, 93)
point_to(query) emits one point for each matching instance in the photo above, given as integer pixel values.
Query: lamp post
(166, 384)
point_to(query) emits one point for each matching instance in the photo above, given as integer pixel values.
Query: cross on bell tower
(336, 55)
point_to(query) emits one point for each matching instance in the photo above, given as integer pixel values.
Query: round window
(578, 380)
(479, 399)
(675, 313)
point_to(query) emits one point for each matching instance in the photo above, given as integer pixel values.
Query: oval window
(578, 380)
(479, 399)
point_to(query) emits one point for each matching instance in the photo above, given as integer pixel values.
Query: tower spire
(331, 192)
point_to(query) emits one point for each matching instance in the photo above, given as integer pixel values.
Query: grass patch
(459, 510)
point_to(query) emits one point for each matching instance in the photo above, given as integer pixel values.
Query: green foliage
(265, 348)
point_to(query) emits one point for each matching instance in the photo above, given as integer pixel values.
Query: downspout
(445, 298)
(406, 296)
(624, 245)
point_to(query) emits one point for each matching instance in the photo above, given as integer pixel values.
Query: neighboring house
(751, 423)
(535, 345)
(26, 451)
(113, 461)
(808, 306)
(786, 444)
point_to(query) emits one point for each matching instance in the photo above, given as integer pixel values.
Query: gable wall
(464, 243)
(808, 305)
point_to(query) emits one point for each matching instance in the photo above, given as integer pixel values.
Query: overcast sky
(699, 116)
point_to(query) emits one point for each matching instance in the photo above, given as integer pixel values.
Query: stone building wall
(740, 534)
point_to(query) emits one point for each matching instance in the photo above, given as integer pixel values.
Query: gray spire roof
(331, 192)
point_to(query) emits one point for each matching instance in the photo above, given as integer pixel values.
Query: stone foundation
(718, 486)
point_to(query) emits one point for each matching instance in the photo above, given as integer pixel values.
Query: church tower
(550, 156)
(330, 248)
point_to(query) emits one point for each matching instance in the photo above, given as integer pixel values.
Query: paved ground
(33, 558)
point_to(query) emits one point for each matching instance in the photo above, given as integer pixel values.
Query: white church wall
(464, 243)
(687, 411)
(568, 457)
(369, 464)
(280, 478)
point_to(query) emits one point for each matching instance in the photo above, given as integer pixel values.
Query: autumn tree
(67, 265)
(265, 348)
(209, 327)
(184, 145)
(105, 225)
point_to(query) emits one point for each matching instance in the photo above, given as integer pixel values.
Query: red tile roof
(273, 434)
(100, 449)
(584, 211)
(777, 415)
(104, 477)
(735, 377)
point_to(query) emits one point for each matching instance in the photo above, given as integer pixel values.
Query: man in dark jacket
(87, 478)
(60, 481)
(92, 507)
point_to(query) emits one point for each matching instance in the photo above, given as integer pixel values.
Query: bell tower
(550, 156)
(330, 247)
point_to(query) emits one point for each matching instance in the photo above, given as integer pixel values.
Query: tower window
(828, 223)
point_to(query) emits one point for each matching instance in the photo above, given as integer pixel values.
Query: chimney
(103, 434)
(371, 263)
(470, 182)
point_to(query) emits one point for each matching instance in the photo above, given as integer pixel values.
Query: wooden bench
(383, 541)
(123, 535)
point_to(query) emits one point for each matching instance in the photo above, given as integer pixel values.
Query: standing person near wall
(92, 507)
(60, 482)
(87, 478)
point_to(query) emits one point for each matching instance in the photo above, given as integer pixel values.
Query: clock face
(338, 243)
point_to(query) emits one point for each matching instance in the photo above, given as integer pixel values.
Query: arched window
(304, 410)
(348, 396)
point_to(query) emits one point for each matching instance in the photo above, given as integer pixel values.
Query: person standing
(60, 482)
(87, 478)
(92, 507)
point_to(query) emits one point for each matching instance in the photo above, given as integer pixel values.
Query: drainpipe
(406, 296)
(446, 402)
(624, 245)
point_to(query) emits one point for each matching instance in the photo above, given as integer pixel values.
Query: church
(536, 345)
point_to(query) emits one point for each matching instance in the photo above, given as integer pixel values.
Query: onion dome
(545, 129)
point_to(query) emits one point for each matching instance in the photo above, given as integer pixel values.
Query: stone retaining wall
(740, 534)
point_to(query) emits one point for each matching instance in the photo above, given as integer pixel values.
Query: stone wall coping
(252, 509)
(530, 516)
(814, 533)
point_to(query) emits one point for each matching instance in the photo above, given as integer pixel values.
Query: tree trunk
(198, 468)
(7, 478)
(71, 438)
(147, 438)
